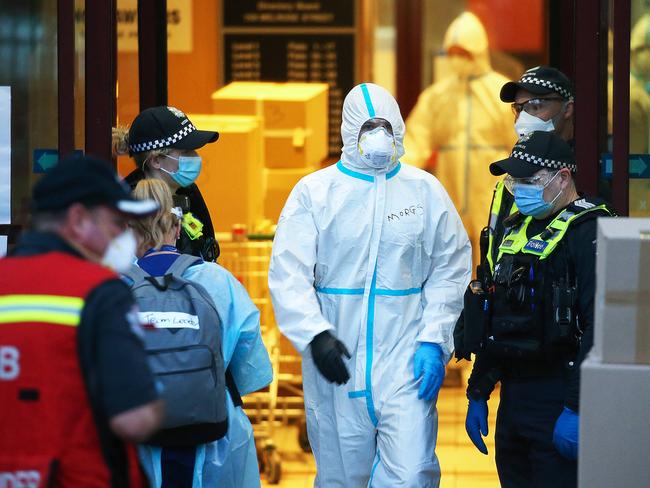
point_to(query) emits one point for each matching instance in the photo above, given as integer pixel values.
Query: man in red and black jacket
(74, 380)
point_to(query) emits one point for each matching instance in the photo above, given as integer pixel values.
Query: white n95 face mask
(377, 148)
(527, 123)
(120, 253)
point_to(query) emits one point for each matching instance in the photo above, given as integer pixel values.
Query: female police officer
(163, 143)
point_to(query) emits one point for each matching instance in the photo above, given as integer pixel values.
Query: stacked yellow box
(294, 117)
(232, 177)
(295, 124)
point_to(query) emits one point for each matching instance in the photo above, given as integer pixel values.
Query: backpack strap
(135, 274)
(181, 263)
(232, 388)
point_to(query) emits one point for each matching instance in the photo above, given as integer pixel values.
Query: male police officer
(74, 378)
(530, 321)
(541, 100)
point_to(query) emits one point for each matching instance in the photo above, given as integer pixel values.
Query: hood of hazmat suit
(230, 462)
(379, 258)
(459, 126)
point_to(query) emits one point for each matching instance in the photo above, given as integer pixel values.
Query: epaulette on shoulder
(588, 208)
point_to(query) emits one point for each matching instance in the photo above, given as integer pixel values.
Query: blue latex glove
(565, 435)
(476, 423)
(429, 364)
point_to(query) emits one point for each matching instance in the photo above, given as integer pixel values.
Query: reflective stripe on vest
(544, 243)
(52, 309)
(495, 213)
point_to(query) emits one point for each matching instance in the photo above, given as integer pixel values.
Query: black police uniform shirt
(581, 243)
(198, 208)
(108, 336)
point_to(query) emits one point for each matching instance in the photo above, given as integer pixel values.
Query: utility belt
(536, 369)
(513, 309)
(511, 316)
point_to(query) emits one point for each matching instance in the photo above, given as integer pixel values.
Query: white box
(614, 445)
(622, 302)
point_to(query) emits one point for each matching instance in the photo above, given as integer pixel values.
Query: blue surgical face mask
(188, 171)
(530, 199)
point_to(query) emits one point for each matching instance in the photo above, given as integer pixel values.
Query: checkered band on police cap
(542, 162)
(162, 143)
(546, 84)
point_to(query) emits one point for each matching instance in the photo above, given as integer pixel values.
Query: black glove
(327, 351)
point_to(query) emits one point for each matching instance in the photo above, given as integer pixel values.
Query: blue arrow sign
(46, 159)
(639, 166)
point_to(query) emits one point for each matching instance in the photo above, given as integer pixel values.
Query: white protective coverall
(230, 462)
(379, 258)
(461, 125)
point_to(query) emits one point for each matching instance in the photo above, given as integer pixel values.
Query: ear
(568, 112)
(153, 161)
(178, 230)
(565, 177)
(78, 223)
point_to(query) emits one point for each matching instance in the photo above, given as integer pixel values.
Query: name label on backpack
(170, 320)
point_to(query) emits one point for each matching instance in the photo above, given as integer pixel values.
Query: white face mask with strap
(377, 148)
(120, 253)
(527, 123)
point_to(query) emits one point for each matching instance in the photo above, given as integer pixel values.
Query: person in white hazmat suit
(369, 265)
(459, 126)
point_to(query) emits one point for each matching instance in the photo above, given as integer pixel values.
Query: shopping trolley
(281, 403)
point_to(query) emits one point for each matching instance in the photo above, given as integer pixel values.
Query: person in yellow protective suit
(459, 126)
(639, 87)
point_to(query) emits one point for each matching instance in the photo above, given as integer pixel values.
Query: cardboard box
(614, 427)
(622, 304)
(294, 117)
(231, 179)
(279, 183)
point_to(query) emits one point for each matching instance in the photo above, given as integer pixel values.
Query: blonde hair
(120, 140)
(120, 147)
(151, 230)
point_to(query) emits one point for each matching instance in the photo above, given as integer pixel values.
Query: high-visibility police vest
(523, 319)
(47, 423)
(502, 206)
(544, 243)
